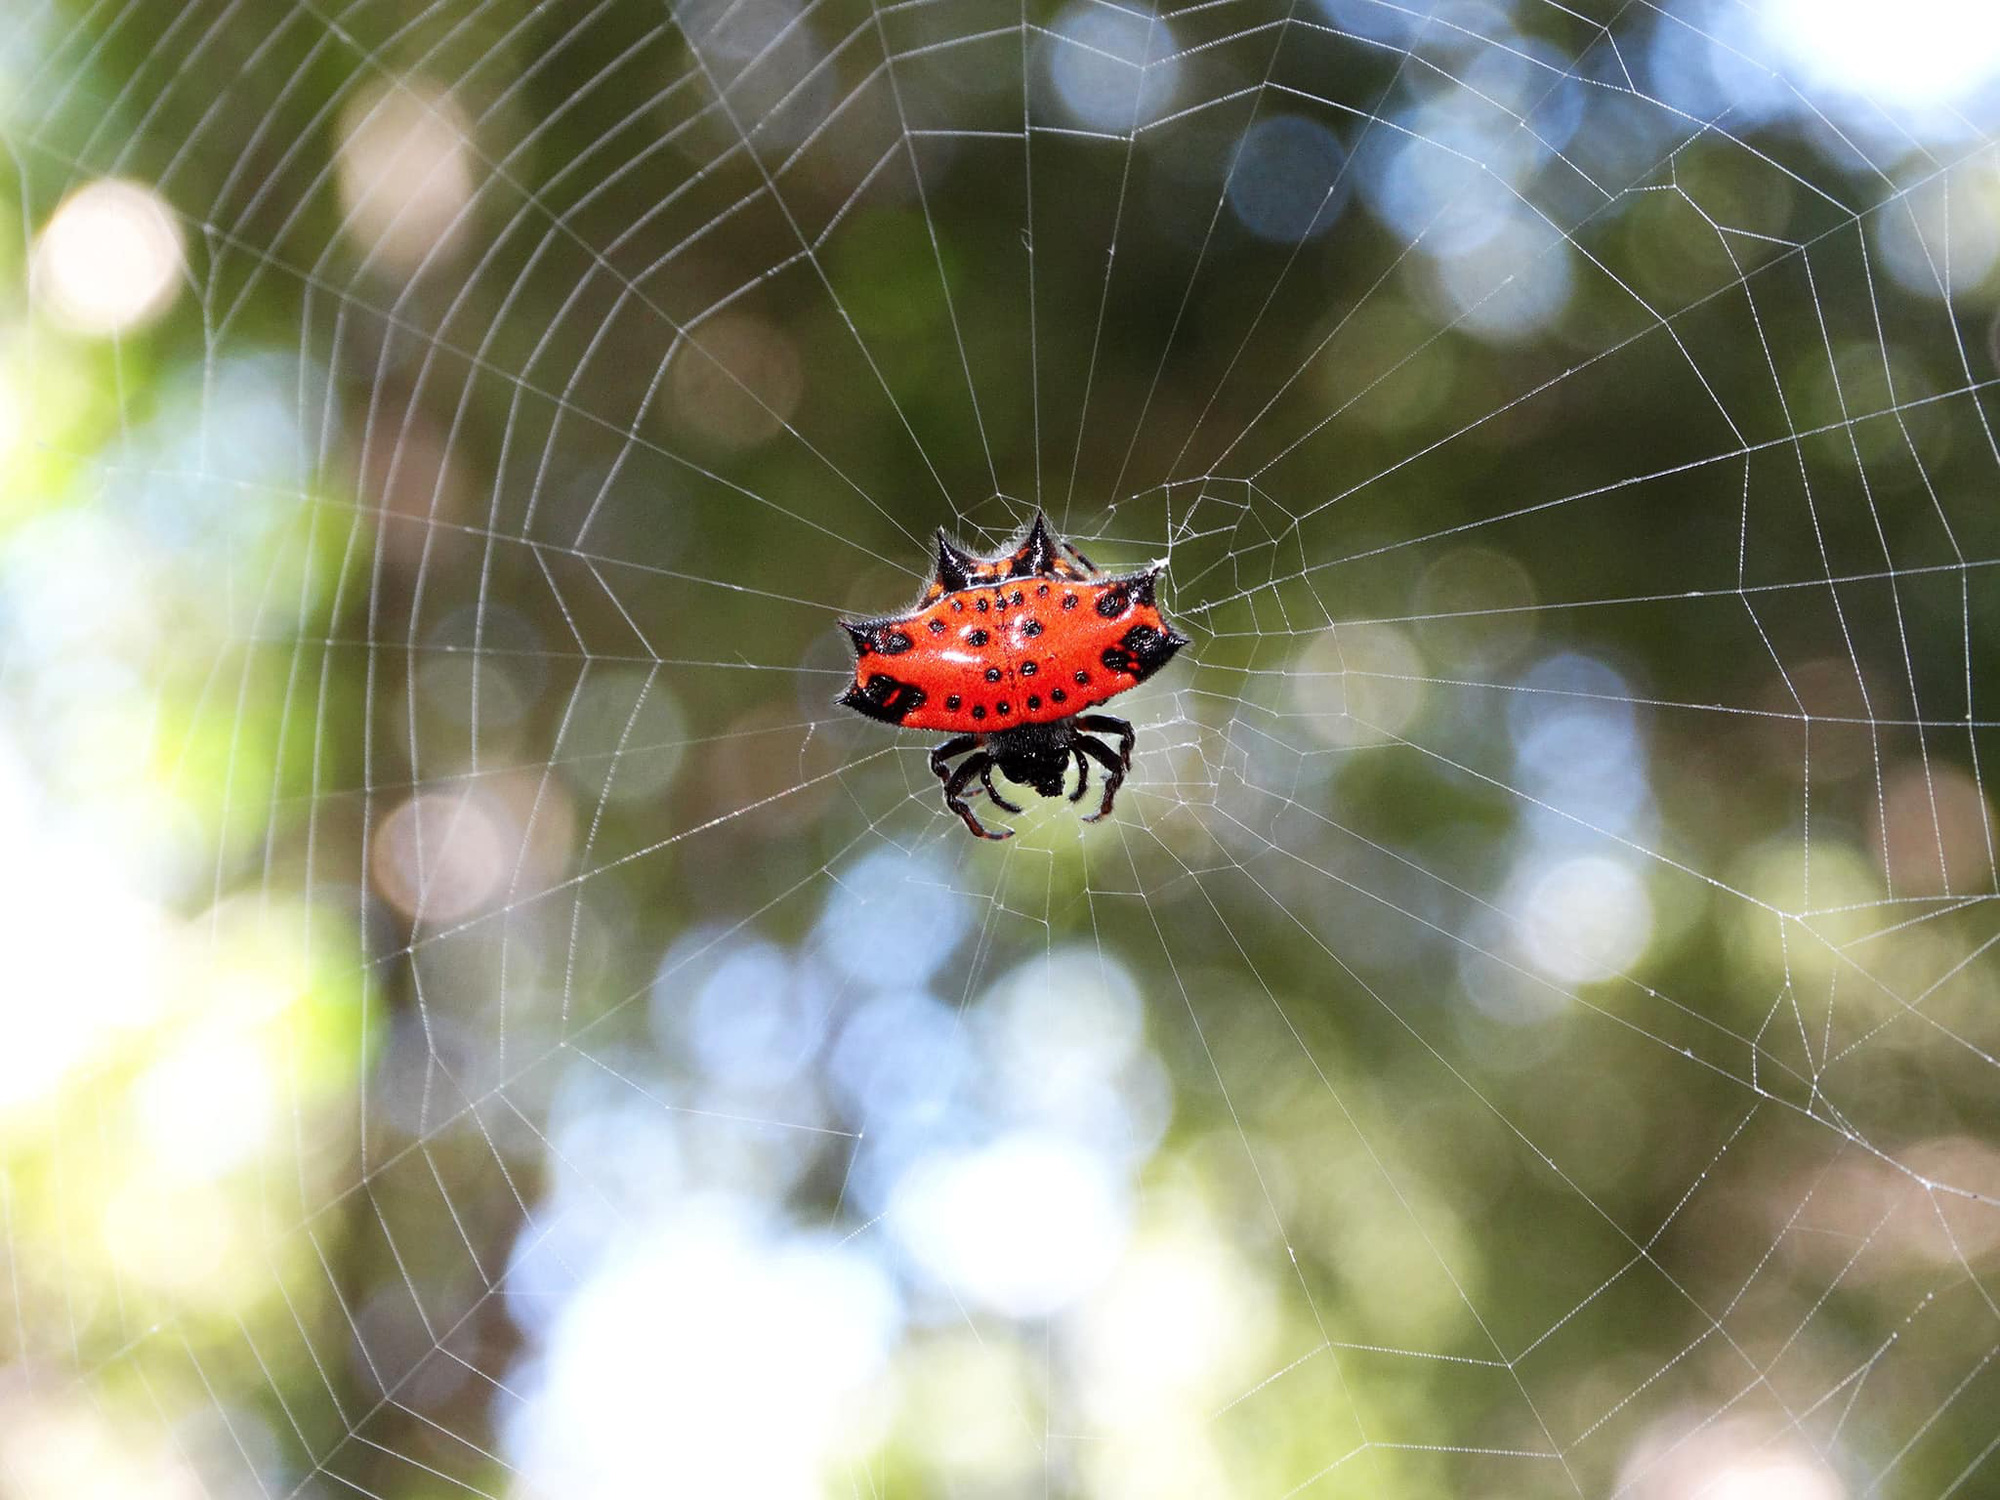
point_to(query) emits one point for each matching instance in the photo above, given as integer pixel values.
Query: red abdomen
(1024, 651)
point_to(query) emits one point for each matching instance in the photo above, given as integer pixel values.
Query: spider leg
(954, 795)
(955, 780)
(1107, 724)
(951, 749)
(1114, 772)
(986, 780)
(1082, 775)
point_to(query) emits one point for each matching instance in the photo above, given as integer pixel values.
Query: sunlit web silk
(477, 1017)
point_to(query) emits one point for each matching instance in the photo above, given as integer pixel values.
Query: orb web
(480, 1019)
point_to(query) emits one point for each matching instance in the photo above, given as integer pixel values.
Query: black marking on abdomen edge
(1142, 651)
(883, 697)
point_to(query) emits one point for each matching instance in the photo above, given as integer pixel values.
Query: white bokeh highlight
(1928, 54)
(110, 260)
(1113, 70)
(1585, 919)
(405, 172)
(710, 1353)
(1022, 1227)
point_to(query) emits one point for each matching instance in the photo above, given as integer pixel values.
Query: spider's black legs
(951, 749)
(986, 780)
(1106, 724)
(955, 782)
(954, 795)
(1115, 765)
(1038, 756)
(1114, 768)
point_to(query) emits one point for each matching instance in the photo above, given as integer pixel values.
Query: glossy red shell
(1030, 649)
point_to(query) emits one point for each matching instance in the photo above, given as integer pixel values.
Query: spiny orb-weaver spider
(1006, 654)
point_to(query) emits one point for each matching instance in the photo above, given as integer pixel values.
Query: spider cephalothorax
(1008, 653)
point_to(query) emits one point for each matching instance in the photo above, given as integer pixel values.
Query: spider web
(487, 1023)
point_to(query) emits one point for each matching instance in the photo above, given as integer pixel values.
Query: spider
(1007, 653)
